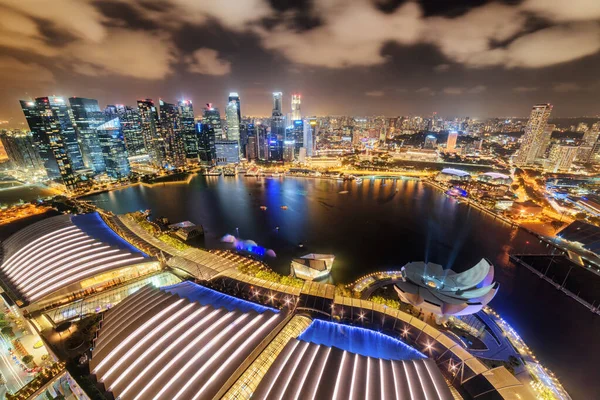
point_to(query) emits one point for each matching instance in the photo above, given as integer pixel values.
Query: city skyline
(418, 61)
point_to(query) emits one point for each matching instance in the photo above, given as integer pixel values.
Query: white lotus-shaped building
(445, 292)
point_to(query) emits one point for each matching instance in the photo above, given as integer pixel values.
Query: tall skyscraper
(49, 140)
(153, 142)
(277, 100)
(131, 127)
(21, 151)
(562, 157)
(233, 96)
(310, 128)
(296, 114)
(534, 133)
(209, 131)
(112, 143)
(171, 132)
(212, 117)
(233, 121)
(545, 141)
(86, 116)
(188, 130)
(451, 142)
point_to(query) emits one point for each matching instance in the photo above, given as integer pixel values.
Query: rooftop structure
(452, 174)
(495, 178)
(65, 255)
(445, 292)
(312, 266)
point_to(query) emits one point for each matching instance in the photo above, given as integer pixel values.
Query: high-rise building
(172, 134)
(545, 141)
(86, 117)
(451, 142)
(153, 141)
(262, 139)
(430, 142)
(209, 131)
(233, 121)
(277, 100)
(211, 116)
(20, 149)
(62, 114)
(112, 143)
(296, 114)
(188, 130)
(591, 135)
(233, 96)
(534, 133)
(310, 130)
(562, 157)
(252, 148)
(49, 140)
(131, 127)
(227, 151)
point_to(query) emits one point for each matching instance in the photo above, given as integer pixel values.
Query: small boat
(284, 207)
(343, 192)
(263, 208)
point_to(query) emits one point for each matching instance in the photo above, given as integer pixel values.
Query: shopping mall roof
(308, 370)
(61, 251)
(156, 344)
(454, 171)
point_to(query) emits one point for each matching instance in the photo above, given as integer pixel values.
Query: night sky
(352, 57)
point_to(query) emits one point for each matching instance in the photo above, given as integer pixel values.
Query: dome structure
(452, 174)
(446, 292)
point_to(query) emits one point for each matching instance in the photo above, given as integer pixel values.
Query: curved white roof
(157, 345)
(57, 252)
(454, 171)
(496, 175)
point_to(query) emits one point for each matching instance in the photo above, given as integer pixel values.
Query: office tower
(591, 135)
(252, 148)
(534, 133)
(562, 157)
(233, 121)
(20, 149)
(545, 140)
(236, 98)
(62, 114)
(288, 150)
(171, 132)
(153, 142)
(48, 138)
(245, 130)
(262, 142)
(382, 136)
(451, 142)
(297, 136)
(277, 99)
(211, 116)
(131, 127)
(227, 152)
(188, 130)
(310, 130)
(112, 143)
(86, 116)
(430, 142)
(296, 114)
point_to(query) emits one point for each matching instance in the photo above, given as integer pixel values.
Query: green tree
(8, 331)
(27, 359)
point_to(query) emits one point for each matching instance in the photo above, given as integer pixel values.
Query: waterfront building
(312, 266)
(172, 133)
(188, 130)
(233, 122)
(310, 130)
(49, 140)
(534, 134)
(451, 142)
(112, 145)
(262, 133)
(452, 174)
(212, 117)
(288, 150)
(296, 113)
(131, 126)
(430, 142)
(150, 127)
(227, 152)
(207, 153)
(233, 96)
(86, 117)
(20, 149)
(445, 292)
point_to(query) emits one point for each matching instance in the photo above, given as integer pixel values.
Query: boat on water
(343, 192)
(284, 207)
(263, 208)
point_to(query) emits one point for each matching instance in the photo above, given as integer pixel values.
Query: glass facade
(112, 145)
(153, 142)
(21, 150)
(188, 129)
(171, 132)
(86, 116)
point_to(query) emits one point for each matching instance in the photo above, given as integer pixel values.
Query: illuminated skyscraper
(46, 128)
(21, 150)
(112, 143)
(277, 99)
(86, 116)
(562, 157)
(236, 98)
(209, 130)
(310, 130)
(188, 130)
(233, 122)
(150, 131)
(131, 127)
(296, 114)
(430, 142)
(172, 134)
(534, 133)
(545, 141)
(451, 142)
